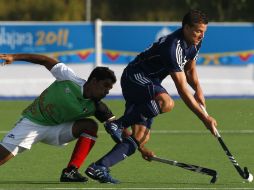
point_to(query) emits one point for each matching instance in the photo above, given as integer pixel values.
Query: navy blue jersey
(169, 54)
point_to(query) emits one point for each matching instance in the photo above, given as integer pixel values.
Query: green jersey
(62, 101)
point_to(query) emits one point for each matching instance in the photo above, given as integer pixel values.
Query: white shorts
(26, 133)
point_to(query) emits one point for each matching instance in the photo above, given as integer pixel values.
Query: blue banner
(71, 43)
(223, 44)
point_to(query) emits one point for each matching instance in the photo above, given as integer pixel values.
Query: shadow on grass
(130, 184)
(29, 182)
(165, 184)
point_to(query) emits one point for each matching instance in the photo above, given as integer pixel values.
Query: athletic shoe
(114, 130)
(71, 174)
(100, 173)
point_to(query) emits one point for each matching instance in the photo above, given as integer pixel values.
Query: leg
(88, 126)
(134, 113)
(86, 132)
(99, 170)
(5, 155)
(144, 96)
(152, 100)
(165, 102)
(19, 139)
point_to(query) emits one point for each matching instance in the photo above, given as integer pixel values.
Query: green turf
(191, 143)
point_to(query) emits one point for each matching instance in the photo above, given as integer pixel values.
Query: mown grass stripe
(244, 131)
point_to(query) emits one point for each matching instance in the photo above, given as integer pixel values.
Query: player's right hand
(6, 59)
(211, 124)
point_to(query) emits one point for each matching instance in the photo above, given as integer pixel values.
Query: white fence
(26, 80)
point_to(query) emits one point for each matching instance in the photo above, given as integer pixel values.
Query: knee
(168, 105)
(88, 126)
(92, 127)
(165, 102)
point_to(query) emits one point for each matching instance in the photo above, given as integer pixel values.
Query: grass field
(178, 135)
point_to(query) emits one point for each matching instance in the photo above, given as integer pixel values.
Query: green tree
(124, 10)
(42, 10)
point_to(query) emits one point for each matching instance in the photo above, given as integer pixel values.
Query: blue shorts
(138, 88)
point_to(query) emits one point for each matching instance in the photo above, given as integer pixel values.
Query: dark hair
(194, 17)
(102, 73)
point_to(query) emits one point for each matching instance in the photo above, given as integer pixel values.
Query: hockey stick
(190, 167)
(244, 173)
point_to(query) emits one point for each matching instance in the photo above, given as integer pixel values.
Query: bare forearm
(36, 59)
(192, 76)
(182, 88)
(193, 83)
(192, 79)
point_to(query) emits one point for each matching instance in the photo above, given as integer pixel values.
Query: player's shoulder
(176, 35)
(173, 39)
(70, 85)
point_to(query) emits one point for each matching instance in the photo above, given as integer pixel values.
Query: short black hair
(194, 17)
(102, 73)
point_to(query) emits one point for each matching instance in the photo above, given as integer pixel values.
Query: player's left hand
(6, 59)
(211, 124)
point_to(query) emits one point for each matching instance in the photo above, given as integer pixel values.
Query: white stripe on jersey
(145, 79)
(155, 106)
(138, 79)
(179, 56)
(196, 56)
(141, 79)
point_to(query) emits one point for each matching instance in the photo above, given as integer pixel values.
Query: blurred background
(123, 10)
(89, 33)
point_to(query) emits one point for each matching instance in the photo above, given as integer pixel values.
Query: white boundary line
(244, 131)
(150, 188)
(144, 188)
(201, 131)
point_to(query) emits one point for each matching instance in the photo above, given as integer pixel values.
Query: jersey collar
(184, 44)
